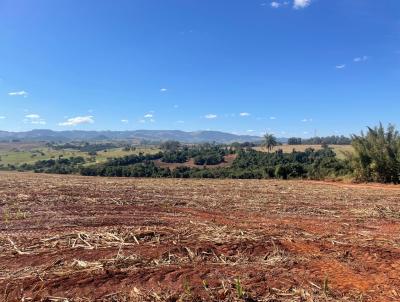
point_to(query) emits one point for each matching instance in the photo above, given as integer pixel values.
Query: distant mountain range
(149, 135)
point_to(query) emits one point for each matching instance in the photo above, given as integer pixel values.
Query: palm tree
(270, 141)
(376, 155)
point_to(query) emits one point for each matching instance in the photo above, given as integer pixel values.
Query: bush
(175, 157)
(377, 155)
(209, 159)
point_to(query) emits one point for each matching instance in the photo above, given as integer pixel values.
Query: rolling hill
(148, 135)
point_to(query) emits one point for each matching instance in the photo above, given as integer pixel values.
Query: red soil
(86, 238)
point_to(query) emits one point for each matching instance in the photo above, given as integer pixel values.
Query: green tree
(269, 142)
(170, 146)
(377, 155)
(294, 141)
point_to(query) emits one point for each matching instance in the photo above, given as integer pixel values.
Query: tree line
(376, 158)
(327, 140)
(249, 163)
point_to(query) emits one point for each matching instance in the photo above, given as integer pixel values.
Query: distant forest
(327, 140)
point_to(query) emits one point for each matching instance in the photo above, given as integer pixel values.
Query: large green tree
(377, 155)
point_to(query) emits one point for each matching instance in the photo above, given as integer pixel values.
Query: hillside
(149, 135)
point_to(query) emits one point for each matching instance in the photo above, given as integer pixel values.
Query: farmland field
(339, 149)
(72, 238)
(20, 153)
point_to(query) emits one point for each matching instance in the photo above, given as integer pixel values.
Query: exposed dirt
(70, 238)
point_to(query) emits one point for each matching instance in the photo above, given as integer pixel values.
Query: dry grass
(340, 150)
(101, 239)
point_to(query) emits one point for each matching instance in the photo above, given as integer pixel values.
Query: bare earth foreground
(70, 238)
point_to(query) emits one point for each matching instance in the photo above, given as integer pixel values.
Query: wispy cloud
(306, 120)
(341, 66)
(211, 116)
(163, 89)
(149, 117)
(2, 117)
(32, 116)
(275, 4)
(244, 114)
(298, 4)
(124, 121)
(18, 93)
(272, 118)
(78, 120)
(180, 122)
(34, 119)
(361, 59)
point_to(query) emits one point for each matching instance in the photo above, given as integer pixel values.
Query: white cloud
(18, 93)
(211, 116)
(297, 4)
(74, 121)
(272, 118)
(306, 120)
(342, 66)
(125, 121)
(32, 116)
(180, 122)
(361, 59)
(251, 131)
(163, 89)
(275, 4)
(149, 117)
(34, 119)
(2, 117)
(244, 114)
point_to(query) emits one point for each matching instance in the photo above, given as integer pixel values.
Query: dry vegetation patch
(70, 238)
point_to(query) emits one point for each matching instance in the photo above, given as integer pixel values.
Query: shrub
(377, 155)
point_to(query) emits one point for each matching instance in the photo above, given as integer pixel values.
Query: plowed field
(71, 238)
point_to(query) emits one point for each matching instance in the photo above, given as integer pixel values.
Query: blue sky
(292, 67)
